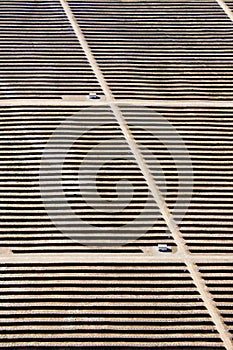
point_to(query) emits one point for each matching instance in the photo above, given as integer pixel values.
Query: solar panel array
(161, 49)
(83, 265)
(105, 305)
